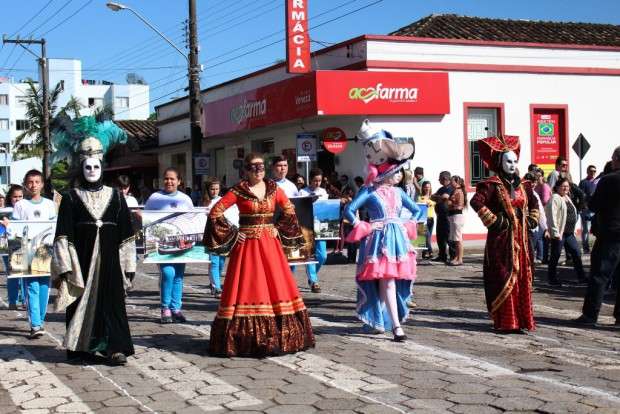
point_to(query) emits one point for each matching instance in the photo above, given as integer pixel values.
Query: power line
(282, 40)
(148, 52)
(282, 30)
(32, 18)
(69, 17)
(52, 16)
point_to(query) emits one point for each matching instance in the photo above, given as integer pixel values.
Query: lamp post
(194, 69)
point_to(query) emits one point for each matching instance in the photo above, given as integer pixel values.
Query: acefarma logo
(385, 94)
(248, 110)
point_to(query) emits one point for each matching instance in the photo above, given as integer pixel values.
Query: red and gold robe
(508, 258)
(261, 311)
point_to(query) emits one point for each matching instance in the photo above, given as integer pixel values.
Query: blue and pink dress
(385, 251)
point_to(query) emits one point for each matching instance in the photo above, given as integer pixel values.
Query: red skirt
(261, 312)
(516, 311)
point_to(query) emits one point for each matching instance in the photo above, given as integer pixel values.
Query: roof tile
(452, 26)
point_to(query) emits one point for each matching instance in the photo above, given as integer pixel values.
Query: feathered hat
(85, 137)
(492, 148)
(384, 155)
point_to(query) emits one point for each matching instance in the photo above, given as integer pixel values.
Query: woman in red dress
(508, 208)
(261, 312)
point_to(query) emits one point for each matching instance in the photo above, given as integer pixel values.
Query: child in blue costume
(386, 265)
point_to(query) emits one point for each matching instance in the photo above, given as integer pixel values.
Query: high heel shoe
(399, 338)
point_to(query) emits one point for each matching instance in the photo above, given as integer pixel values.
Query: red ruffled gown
(261, 312)
(507, 266)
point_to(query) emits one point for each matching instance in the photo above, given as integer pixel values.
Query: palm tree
(34, 114)
(104, 113)
(73, 105)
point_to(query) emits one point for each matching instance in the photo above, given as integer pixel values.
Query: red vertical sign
(297, 38)
(546, 131)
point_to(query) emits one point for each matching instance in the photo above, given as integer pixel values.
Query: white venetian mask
(91, 169)
(509, 162)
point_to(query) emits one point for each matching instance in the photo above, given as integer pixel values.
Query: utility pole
(45, 86)
(195, 100)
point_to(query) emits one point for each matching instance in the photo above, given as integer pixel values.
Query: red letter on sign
(297, 39)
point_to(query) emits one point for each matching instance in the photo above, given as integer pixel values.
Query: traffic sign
(201, 164)
(306, 147)
(334, 140)
(581, 146)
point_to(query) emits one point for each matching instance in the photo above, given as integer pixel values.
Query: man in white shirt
(36, 289)
(320, 248)
(279, 167)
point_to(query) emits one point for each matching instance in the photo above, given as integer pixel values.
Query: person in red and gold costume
(508, 208)
(261, 312)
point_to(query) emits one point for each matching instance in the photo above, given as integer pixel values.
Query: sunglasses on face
(255, 167)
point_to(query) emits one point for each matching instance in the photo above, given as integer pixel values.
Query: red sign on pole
(297, 38)
(334, 140)
(546, 138)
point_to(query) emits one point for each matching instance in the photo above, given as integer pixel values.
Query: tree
(74, 106)
(135, 79)
(104, 113)
(35, 117)
(152, 116)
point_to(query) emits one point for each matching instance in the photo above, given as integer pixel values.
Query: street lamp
(194, 69)
(114, 6)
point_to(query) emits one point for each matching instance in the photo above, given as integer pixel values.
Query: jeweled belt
(255, 220)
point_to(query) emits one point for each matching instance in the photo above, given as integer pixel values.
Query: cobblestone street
(452, 361)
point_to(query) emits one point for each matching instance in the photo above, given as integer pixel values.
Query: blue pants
(171, 285)
(538, 238)
(320, 252)
(37, 295)
(215, 270)
(13, 286)
(586, 219)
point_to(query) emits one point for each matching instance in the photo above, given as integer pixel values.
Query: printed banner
(327, 219)
(420, 242)
(546, 139)
(303, 211)
(174, 236)
(28, 246)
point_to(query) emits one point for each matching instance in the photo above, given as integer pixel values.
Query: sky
(236, 37)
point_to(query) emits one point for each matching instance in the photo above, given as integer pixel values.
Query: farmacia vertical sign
(297, 38)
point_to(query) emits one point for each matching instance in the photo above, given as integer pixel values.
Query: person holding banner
(216, 267)
(261, 312)
(94, 263)
(171, 274)
(13, 285)
(314, 189)
(36, 289)
(387, 261)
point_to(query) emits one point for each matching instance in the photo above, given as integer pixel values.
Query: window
(264, 146)
(4, 124)
(481, 121)
(122, 102)
(21, 100)
(95, 102)
(22, 124)
(4, 99)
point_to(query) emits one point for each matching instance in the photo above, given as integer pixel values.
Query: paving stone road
(452, 362)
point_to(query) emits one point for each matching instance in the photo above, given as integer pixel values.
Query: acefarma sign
(297, 38)
(387, 94)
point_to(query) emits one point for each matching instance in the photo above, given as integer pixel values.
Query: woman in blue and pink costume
(386, 265)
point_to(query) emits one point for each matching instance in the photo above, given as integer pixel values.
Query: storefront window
(481, 122)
